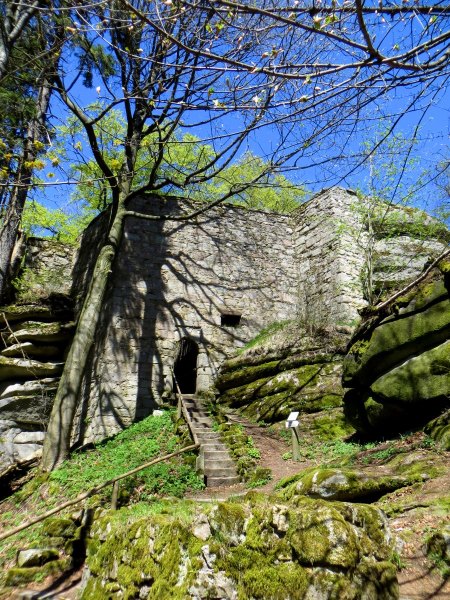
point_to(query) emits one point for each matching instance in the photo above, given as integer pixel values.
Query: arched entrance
(185, 367)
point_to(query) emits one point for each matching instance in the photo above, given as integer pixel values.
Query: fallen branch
(92, 492)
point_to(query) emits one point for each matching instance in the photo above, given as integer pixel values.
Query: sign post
(292, 423)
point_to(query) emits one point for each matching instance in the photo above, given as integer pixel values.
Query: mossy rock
(416, 465)
(32, 410)
(12, 368)
(25, 312)
(36, 557)
(341, 484)
(60, 527)
(276, 407)
(405, 397)
(394, 341)
(309, 388)
(423, 378)
(21, 576)
(438, 549)
(439, 429)
(253, 547)
(33, 331)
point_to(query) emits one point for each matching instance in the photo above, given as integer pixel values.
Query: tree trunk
(57, 441)
(13, 212)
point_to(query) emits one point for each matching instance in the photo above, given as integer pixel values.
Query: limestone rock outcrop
(343, 484)
(34, 343)
(398, 365)
(254, 548)
(285, 368)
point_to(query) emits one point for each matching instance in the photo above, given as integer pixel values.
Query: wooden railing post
(115, 495)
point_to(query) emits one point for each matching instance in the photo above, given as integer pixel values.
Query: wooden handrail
(93, 491)
(182, 410)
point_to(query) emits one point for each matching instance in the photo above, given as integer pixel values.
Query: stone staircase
(218, 467)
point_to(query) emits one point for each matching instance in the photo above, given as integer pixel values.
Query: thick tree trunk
(57, 441)
(13, 213)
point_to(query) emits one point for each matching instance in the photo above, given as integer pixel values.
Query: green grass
(150, 438)
(265, 334)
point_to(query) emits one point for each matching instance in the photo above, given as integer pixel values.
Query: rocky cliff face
(398, 364)
(35, 333)
(286, 368)
(34, 342)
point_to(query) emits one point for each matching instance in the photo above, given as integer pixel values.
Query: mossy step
(200, 429)
(10, 368)
(214, 446)
(27, 312)
(32, 331)
(201, 421)
(216, 454)
(212, 463)
(197, 413)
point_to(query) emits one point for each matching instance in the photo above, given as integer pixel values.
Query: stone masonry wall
(328, 239)
(175, 280)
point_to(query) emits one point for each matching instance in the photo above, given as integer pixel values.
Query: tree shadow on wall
(172, 280)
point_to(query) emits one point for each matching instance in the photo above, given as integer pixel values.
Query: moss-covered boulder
(35, 557)
(35, 331)
(398, 365)
(438, 549)
(18, 576)
(342, 484)
(254, 548)
(283, 369)
(439, 429)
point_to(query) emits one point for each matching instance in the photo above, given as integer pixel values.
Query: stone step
(219, 468)
(214, 446)
(221, 455)
(201, 421)
(212, 462)
(221, 481)
(207, 439)
(225, 472)
(203, 428)
(198, 413)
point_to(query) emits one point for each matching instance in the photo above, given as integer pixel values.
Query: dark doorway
(185, 367)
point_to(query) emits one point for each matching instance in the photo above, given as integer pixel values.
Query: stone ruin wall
(175, 280)
(328, 240)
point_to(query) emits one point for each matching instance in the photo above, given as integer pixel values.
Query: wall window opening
(230, 319)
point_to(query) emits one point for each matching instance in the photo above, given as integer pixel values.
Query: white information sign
(292, 420)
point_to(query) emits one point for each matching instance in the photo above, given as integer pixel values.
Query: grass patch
(264, 334)
(150, 438)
